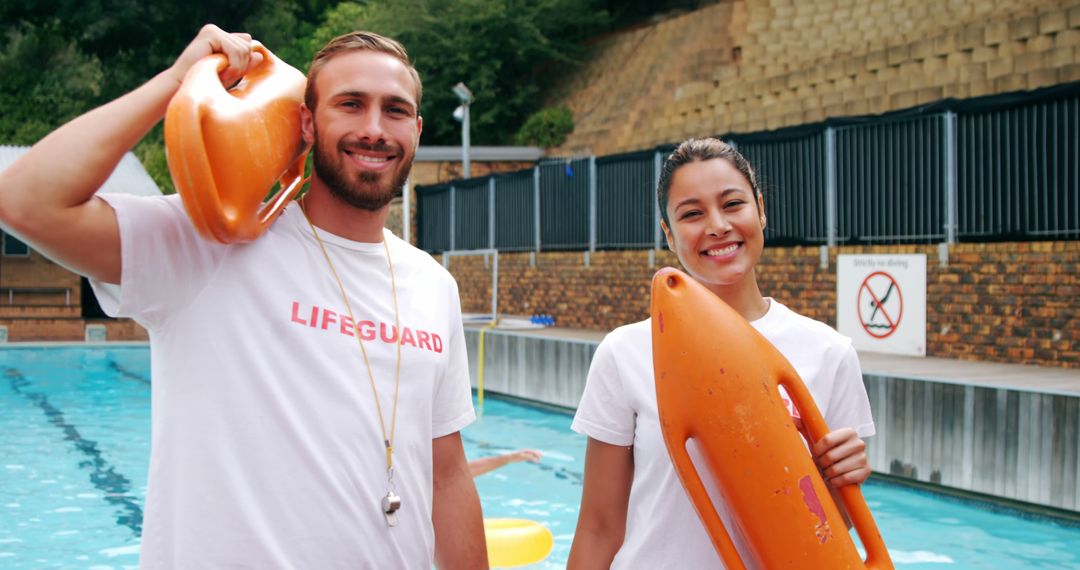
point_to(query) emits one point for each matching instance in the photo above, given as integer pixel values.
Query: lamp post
(462, 115)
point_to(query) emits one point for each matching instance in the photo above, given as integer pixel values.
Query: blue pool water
(74, 449)
(74, 443)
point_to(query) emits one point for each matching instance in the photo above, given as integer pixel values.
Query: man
(308, 387)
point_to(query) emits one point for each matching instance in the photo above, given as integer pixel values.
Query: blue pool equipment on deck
(545, 320)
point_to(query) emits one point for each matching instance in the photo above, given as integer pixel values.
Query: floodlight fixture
(462, 93)
(461, 114)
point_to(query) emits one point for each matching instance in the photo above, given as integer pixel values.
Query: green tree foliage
(46, 81)
(546, 128)
(286, 28)
(151, 153)
(62, 58)
(132, 39)
(501, 49)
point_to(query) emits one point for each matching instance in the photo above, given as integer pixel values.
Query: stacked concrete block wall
(1000, 302)
(747, 66)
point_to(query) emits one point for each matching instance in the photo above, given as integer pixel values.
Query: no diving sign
(881, 302)
(884, 308)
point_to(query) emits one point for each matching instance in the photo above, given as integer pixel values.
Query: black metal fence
(515, 227)
(1018, 170)
(996, 169)
(433, 222)
(471, 213)
(890, 181)
(791, 175)
(565, 200)
(625, 186)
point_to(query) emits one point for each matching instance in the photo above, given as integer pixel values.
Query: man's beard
(362, 191)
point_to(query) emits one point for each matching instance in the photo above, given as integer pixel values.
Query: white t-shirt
(619, 408)
(266, 446)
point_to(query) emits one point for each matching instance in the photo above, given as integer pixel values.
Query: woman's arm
(609, 472)
(485, 464)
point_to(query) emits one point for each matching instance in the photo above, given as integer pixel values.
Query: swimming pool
(75, 431)
(75, 442)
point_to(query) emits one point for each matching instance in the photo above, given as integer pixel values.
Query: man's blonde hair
(358, 41)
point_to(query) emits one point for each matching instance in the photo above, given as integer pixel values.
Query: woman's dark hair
(696, 150)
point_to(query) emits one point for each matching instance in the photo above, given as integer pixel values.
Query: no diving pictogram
(880, 304)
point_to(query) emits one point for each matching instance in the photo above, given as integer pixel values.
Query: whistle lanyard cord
(388, 440)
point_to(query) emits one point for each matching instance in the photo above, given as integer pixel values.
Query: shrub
(546, 128)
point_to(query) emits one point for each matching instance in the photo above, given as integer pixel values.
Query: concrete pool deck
(970, 372)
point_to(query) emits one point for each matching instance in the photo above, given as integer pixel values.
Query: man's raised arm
(47, 196)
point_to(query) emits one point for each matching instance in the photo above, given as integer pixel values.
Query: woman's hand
(841, 457)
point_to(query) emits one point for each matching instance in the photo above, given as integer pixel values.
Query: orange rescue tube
(226, 149)
(717, 383)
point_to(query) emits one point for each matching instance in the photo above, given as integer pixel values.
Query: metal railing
(1018, 172)
(472, 209)
(432, 222)
(31, 292)
(515, 227)
(890, 181)
(791, 175)
(565, 200)
(625, 201)
(969, 175)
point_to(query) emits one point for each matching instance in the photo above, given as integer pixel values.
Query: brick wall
(45, 316)
(36, 271)
(122, 329)
(1005, 302)
(68, 329)
(752, 65)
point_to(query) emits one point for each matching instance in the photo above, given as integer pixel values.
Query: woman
(634, 511)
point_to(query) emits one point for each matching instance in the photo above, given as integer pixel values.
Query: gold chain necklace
(391, 502)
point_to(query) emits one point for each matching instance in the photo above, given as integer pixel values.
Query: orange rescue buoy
(717, 383)
(226, 149)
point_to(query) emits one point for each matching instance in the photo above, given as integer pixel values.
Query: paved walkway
(1016, 376)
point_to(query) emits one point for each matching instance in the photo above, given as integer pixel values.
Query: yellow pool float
(516, 542)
